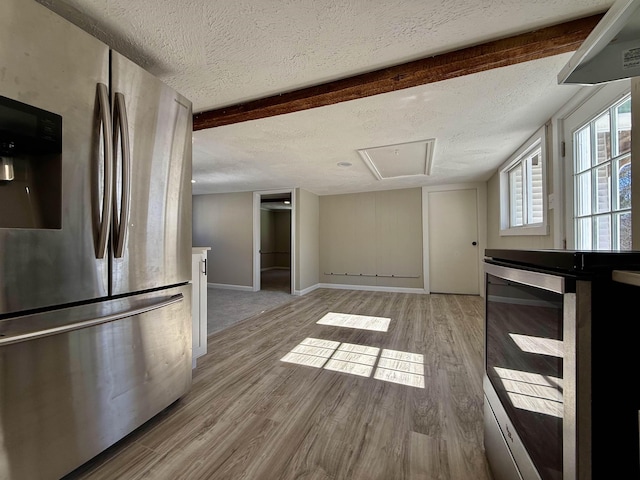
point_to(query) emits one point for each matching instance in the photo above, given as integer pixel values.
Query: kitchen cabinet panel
(199, 301)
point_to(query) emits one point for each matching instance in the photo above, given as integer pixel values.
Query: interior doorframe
(257, 197)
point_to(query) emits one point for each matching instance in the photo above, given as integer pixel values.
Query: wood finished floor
(251, 416)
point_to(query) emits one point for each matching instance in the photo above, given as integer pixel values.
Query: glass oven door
(524, 355)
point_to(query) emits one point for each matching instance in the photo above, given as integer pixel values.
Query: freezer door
(152, 199)
(51, 206)
(76, 380)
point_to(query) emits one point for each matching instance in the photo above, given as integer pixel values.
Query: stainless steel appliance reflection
(95, 244)
(557, 365)
(75, 380)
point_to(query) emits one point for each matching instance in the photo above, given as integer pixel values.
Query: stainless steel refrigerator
(95, 244)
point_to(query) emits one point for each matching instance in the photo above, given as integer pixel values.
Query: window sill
(538, 230)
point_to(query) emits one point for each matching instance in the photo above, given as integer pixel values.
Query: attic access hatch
(399, 160)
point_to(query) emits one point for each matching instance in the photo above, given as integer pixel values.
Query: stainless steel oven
(561, 356)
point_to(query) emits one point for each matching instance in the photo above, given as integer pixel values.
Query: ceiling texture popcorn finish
(225, 53)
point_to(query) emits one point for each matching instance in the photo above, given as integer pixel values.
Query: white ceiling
(223, 52)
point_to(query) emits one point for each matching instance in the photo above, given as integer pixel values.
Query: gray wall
(275, 239)
(282, 238)
(369, 233)
(307, 256)
(377, 232)
(267, 243)
(374, 233)
(224, 222)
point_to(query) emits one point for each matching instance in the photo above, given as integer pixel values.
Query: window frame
(585, 105)
(613, 211)
(537, 140)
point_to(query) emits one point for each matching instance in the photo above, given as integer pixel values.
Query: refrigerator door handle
(105, 115)
(8, 339)
(121, 135)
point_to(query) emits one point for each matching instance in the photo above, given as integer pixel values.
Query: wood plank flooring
(251, 416)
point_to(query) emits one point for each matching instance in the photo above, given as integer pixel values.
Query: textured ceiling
(477, 121)
(229, 51)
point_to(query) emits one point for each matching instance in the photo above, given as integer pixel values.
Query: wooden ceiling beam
(541, 43)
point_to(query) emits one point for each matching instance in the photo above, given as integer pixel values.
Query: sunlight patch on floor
(405, 368)
(393, 366)
(362, 322)
(311, 352)
(353, 359)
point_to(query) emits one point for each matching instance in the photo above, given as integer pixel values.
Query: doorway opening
(273, 241)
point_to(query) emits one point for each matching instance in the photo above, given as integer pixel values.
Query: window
(522, 189)
(602, 180)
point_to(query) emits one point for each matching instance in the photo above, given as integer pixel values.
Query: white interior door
(453, 242)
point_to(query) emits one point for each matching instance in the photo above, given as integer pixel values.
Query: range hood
(611, 51)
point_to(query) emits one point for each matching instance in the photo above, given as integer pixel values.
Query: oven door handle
(625, 276)
(553, 283)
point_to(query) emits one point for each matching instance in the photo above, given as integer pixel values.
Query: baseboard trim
(335, 286)
(370, 288)
(228, 286)
(307, 290)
